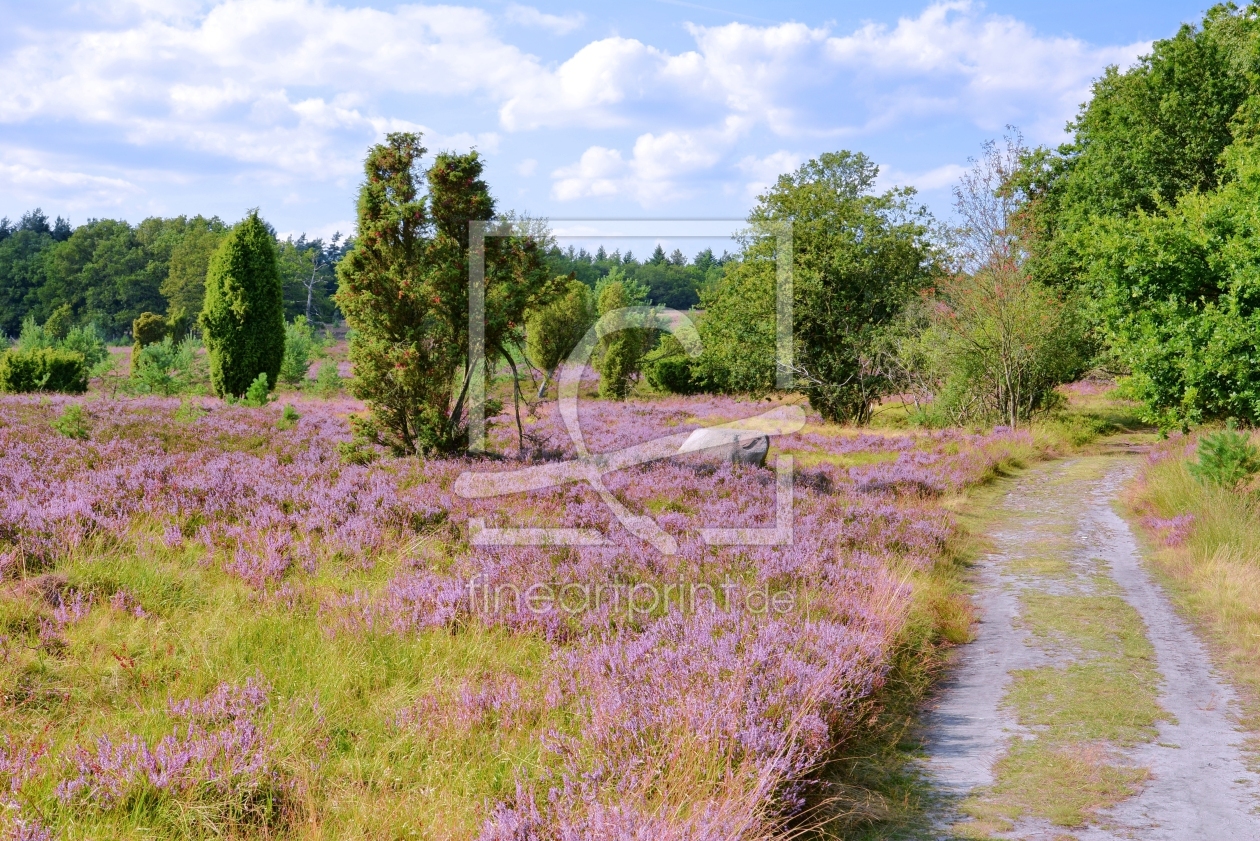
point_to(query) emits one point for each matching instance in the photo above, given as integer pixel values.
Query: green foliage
(243, 317)
(857, 259)
(620, 353)
(184, 287)
(288, 418)
(179, 323)
(72, 422)
(43, 369)
(308, 275)
(404, 292)
(999, 345)
(668, 368)
(1179, 296)
(88, 341)
(258, 393)
(164, 367)
(189, 412)
(1227, 458)
(554, 329)
(365, 437)
(1150, 212)
(1149, 134)
(327, 380)
(738, 329)
(299, 342)
(58, 325)
(671, 281)
(107, 272)
(23, 273)
(33, 336)
(148, 328)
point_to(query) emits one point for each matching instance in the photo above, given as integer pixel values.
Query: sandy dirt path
(1056, 527)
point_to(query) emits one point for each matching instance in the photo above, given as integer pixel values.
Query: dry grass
(1215, 574)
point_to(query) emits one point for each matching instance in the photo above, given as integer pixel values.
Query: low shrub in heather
(43, 369)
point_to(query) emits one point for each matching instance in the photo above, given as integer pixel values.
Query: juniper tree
(243, 317)
(404, 291)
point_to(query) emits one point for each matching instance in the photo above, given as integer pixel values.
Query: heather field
(216, 623)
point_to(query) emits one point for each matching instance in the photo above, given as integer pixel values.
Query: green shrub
(668, 368)
(1227, 458)
(163, 368)
(258, 394)
(88, 341)
(288, 418)
(356, 452)
(33, 336)
(57, 326)
(72, 422)
(621, 352)
(147, 329)
(189, 412)
(299, 342)
(554, 330)
(327, 380)
(43, 369)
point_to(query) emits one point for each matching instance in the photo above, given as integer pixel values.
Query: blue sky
(132, 108)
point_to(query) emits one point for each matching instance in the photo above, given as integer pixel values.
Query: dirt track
(1057, 534)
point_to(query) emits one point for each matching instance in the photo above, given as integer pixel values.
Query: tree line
(108, 272)
(671, 281)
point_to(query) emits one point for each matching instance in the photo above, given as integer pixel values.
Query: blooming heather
(703, 699)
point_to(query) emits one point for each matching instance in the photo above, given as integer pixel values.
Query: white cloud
(937, 178)
(298, 88)
(800, 82)
(559, 24)
(32, 178)
(763, 172)
(953, 58)
(527, 167)
(585, 89)
(599, 172)
(220, 81)
(656, 171)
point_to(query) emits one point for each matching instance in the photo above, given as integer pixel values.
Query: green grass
(1101, 699)
(1101, 624)
(356, 772)
(1064, 784)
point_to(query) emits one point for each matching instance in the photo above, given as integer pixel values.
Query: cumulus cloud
(763, 172)
(300, 87)
(798, 82)
(656, 171)
(954, 58)
(220, 81)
